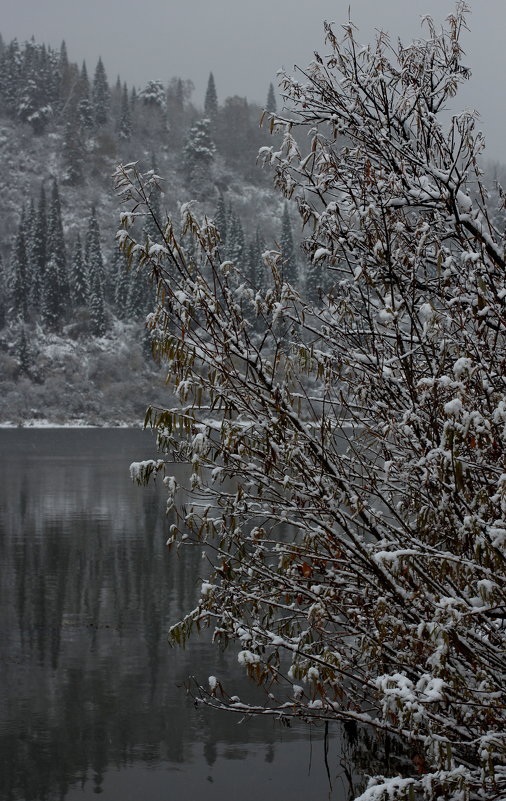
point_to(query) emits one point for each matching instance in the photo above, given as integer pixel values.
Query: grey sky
(244, 42)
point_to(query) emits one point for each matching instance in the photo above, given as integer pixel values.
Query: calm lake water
(91, 696)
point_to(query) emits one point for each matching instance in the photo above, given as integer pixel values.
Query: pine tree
(198, 157)
(20, 273)
(10, 77)
(38, 252)
(93, 255)
(211, 99)
(73, 152)
(33, 106)
(55, 294)
(4, 296)
(56, 252)
(23, 352)
(52, 305)
(254, 262)
(271, 104)
(121, 278)
(235, 240)
(79, 289)
(50, 71)
(93, 250)
(116, 98)
(287, 248)
(65, 75)
(136, 299)
(101, 95)
(125, 120)
(86, 114)
(154, 95)
(97, 304)
(220, 219)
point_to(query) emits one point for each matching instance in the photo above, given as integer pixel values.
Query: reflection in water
(89, 687)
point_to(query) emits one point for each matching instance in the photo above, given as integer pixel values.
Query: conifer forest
(70, 308)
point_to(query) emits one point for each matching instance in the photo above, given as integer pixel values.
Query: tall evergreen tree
(51, 77)
(254, 262)
(55, 295)
(136, 298)
(220, 218)
(235, 240)
(65, 75)
(4, 292)
(287, 248)
(56, 251)
(198, 157)
(211, 99)
(100, 284)
(101, 95)
(52, 302)
(10, 77)
(125, 120)
(271, 104)
(20, 273)
(121, 278)
(93, 251)
(38, 251)
(97, 304)
(79, 289)
(4, 296)
(23, 351)
(73, 152)
(86, 113)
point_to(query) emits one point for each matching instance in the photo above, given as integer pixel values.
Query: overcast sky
(245, 42)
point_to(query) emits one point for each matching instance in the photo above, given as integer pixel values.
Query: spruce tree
(93, 250)
(121, 280)
(271, 104)
(4, 294)
(86, 114)
(51, 77)
(198, 157)
(20, 273)
(287, 248)
(101, 95)
(220, 218)
(79, 289)
(10, 77)
(93, 257)
(125, 120)
(254, 262)
(73, 152)
(235, 240)
(136, 299)
(65, 75)
(38, 252)
(97, 304)
(52, 305)
(23, 352)
(56, 251)
(211, 99)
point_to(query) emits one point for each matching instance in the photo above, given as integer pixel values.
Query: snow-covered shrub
(348, 452)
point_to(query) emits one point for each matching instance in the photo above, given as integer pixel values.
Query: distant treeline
(39, 86)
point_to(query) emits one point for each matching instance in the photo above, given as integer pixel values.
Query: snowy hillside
(72, 340)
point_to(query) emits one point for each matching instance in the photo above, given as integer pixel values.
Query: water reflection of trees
(87, 593)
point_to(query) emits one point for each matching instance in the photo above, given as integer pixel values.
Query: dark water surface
(90, 693)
